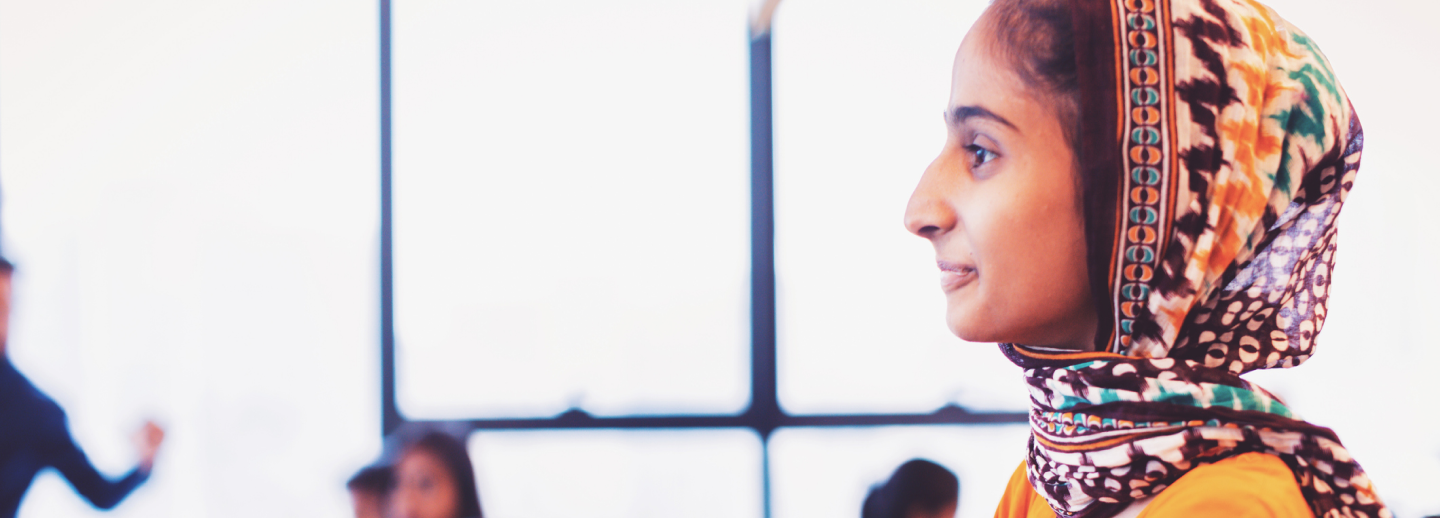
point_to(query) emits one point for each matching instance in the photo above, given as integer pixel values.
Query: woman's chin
(965, 324)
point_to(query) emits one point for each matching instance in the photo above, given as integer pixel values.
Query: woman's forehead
(984, 92)
(980, 79)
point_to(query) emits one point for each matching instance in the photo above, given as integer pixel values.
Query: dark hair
(452, 453)
(1037, 38)
(917, 485)
(372, 479)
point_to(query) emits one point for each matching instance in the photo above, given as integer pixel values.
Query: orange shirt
(1250, 484)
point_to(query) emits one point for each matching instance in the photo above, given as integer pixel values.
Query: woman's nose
(929, 212)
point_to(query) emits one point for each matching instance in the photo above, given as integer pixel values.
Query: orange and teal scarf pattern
(1220, 148)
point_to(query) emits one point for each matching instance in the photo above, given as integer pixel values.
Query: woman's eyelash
(980, 154)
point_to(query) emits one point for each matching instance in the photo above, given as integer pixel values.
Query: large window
(597, 259)
(860, 315)
(826, 471)
(571, 207)
(708, 473)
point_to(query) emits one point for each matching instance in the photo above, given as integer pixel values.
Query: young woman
(1137, 199)
(433, 478)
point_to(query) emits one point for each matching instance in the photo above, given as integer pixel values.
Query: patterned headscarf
(1217, 149)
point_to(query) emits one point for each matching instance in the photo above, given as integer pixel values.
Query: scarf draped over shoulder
(1217, 148)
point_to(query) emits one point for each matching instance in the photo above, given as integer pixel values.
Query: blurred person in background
(433, 478)
(1138, 200)
(370, 491)
(34, 435)
(918, 489)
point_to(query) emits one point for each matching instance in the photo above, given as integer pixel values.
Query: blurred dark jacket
(34, 436)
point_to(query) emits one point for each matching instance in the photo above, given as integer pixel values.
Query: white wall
(190, 196)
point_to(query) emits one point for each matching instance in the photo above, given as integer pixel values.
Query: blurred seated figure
(918, 489)
(369, 491)
(34, 436)
(434, 479)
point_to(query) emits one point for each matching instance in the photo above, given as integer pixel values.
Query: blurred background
(191, 194)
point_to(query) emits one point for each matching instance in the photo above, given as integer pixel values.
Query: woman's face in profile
(423, 488)
(1000, 205)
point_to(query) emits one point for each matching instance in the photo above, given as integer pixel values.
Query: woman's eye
(979, 155)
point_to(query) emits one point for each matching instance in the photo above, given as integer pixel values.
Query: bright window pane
(571, 207)
(619, 474)
(826, 473)
(859, 92)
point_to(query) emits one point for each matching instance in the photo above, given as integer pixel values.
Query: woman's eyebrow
(961, 114)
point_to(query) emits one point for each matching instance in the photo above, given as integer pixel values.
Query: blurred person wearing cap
(34, 436)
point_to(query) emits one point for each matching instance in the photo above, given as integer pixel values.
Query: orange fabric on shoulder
(1020, 500)
(1250, 484)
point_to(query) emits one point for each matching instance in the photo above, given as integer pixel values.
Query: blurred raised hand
(147, 442)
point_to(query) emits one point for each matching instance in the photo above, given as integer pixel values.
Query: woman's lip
(955, 276)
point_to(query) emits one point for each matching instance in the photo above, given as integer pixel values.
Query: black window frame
(764, 414)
